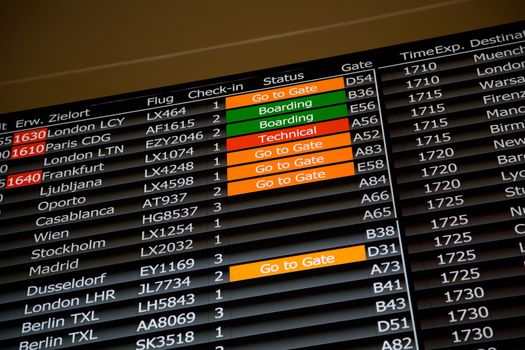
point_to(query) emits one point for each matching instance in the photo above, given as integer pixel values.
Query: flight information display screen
(368, 201)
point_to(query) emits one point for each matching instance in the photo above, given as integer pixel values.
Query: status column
(266, 143)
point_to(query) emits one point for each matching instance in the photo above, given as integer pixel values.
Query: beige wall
(59, 51)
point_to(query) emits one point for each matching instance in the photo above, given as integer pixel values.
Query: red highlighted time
(24, 179)
(29, 136)
(29, 150)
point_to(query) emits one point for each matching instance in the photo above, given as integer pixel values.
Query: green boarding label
(296, 104)
(286, 120)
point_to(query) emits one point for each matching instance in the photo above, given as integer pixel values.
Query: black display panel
(367, 201)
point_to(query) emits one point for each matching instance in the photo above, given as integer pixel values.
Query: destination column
(46, 281)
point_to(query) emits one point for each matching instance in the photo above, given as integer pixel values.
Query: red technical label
(24, 179)
(289, 134)
(29, 150)
(29, 136)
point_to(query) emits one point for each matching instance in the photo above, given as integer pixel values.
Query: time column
(431, 190)
(455, 138)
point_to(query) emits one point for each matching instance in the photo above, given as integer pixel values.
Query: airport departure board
(368, 201)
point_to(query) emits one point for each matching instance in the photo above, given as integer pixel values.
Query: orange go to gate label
(284, 93)
(288, 149)
(290, 163)
(291, 179)
(297, 263)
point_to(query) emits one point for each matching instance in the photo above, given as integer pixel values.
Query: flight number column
(182, 230)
